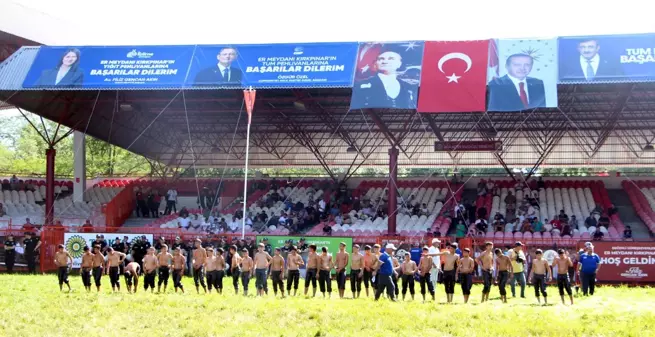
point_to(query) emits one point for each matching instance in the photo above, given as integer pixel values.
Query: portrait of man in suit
(516, 90)
(221, 73)
(590, 65)
(384, 89)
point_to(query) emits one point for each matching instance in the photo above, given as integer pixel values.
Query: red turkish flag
(454, 76)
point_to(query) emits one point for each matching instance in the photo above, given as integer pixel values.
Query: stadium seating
(437, 195)
(577, 198)
(302, 192)
(22, 204)
(642, 196)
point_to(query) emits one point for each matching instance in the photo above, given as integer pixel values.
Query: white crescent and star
(451, 56)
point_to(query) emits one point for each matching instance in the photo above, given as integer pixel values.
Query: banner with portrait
(74, 243)
(307, 65)
(523, 74)
(607, 59)
(109, 67)
(387, 75)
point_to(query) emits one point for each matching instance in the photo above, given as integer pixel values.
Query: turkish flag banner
(454, 76)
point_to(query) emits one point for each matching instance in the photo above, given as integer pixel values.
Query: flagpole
(249, 97)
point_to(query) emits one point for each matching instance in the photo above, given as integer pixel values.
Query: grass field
(33, 306)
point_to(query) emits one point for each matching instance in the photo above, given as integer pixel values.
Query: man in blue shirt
(385, 272)
(588, 267)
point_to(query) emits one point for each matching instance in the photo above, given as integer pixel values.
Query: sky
(158, 22)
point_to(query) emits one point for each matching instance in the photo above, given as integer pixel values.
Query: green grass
(33, 306)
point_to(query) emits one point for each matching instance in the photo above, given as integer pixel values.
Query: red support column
(393, 201)
(49, 185)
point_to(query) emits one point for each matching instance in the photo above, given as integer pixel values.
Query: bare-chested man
(376, 251)
(369, 261)
(504, 266)
(220, 270)
(131, 273)
(262, 261)
(235, 268)
(98, 265)
(424, 267)
(342, 263)
(164, 262)
(312, 269)
(465, 273)
(114, 261)
(356, 272)
(563, 263)
(210, 270)
(63, 261)
(326, 264)
(86, 267)
(277, 272)
(396, 271)
(294, 261)
(149, 269)
(179, 265)
(247, 269)
(486, 263)
(450, 271)
(408, 269)
(199, 257)
(539, 275)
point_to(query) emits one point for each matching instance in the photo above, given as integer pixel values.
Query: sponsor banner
(387, 75)
(603, 59)
(453, 77)
(75, 242)
(274, 66)
(524, 75)
(469, 146)
(109, 67)
(331, 242)
(627, 262)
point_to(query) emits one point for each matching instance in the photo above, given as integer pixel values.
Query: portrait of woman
(385, 88)
(66, 74)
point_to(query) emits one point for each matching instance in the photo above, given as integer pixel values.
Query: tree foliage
(22, 151)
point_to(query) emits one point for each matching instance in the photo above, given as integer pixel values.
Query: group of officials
(378, 270)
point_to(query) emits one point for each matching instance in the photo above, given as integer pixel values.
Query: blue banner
(109, 67)
(606, 59)
(274, 66)
(388, 75)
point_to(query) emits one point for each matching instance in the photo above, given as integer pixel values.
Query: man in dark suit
(516, 91)
(223, 72)
(590, 65)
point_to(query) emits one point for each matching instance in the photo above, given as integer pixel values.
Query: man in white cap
(385, 273)
(433, 252)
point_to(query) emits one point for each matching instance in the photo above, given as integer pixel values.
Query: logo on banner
(75, 246)
(453, 56)
(298, 51)
(634, 272)
(134, 53)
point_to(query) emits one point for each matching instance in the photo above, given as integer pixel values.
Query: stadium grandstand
(596, 126)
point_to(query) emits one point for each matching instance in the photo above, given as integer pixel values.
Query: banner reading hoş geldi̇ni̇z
(75, 242)
(607, 59)
(626, 262)
(331, 242)
(298, 65)
(453, 76)
(109, 67)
